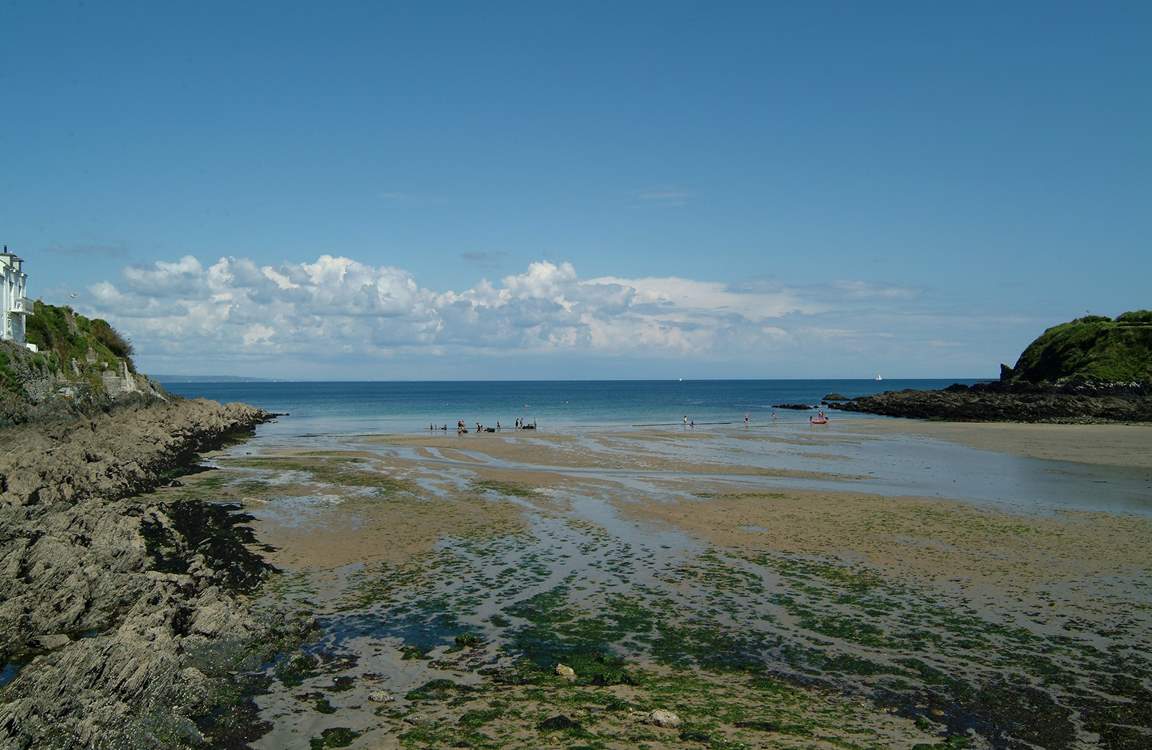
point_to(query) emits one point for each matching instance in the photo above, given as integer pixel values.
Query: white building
(14, 304)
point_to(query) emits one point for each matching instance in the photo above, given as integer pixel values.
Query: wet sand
(681, 570)
(1013, 563)
(1104, 444)
(605, 452)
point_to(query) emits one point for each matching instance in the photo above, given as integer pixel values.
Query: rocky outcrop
(1092, 369)
(119, 614)
(33, 389)
(795, 407)
(1014, 402)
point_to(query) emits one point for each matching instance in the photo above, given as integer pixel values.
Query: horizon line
(246, 379)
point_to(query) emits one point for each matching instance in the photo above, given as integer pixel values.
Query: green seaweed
(436, 690)
(505, 488)
(334, 737)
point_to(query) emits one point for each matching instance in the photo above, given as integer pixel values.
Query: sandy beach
(1108, 444)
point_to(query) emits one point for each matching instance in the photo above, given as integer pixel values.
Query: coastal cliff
(123, 616)
(1092, 369)
(82, 366)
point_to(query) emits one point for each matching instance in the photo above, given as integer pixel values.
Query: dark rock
(759, 725)
(334, 737)
(797, 407)
(695, 735)
(558, 723)
(1014, 402)
(834, 397)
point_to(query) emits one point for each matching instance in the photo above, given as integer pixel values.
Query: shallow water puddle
(9, 671)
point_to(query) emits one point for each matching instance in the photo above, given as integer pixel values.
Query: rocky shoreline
(122, 617)
(1007, 401)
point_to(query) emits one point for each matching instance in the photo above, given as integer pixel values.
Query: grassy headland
(1092, 348)
(1092, 369)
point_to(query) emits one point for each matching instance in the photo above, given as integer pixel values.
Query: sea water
(351, 407)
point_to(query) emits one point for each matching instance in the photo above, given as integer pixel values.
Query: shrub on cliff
(79, 367)
(1135, 316)
(71, 336)
(111, 338)
(1091, 348)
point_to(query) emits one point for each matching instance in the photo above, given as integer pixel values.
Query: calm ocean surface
(326, 407)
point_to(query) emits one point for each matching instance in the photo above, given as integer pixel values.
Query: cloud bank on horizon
(185, 314)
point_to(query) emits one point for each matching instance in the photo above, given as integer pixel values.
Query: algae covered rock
(1092, 348)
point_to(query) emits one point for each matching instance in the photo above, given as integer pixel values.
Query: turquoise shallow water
(326, 407)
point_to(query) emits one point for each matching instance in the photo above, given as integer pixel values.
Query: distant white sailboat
(879, 378)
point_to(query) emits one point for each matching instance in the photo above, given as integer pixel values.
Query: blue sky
(738, 189)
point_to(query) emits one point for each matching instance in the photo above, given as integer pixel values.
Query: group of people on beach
(520, 424)
(690, 423)
(462, 428)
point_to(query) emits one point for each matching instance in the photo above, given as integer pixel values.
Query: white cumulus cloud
(336, 306)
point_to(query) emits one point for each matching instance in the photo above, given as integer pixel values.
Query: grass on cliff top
(1092, 348)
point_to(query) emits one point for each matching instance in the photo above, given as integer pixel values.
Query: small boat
(879, 378)
(818, 419)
